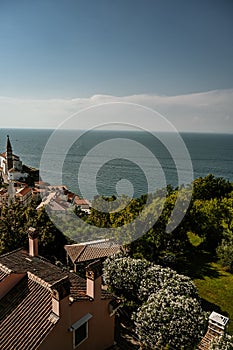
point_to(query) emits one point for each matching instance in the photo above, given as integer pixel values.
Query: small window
(80, 334)
(80, 330)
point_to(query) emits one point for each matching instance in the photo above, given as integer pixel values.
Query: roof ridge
(81, 252)
(11, 252)
(59, 281)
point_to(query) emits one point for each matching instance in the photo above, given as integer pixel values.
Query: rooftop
(43, 272)
(23, 191)
(21, 303)
(92, 250)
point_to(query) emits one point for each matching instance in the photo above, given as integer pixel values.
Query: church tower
(9, 155)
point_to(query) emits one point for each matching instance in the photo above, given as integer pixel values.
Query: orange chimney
(33, 241)
(94, 280)
(60, 291)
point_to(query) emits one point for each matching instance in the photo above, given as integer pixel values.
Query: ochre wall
(100, 326)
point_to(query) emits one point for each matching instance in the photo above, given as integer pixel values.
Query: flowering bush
(165, 319)
(124, 275)
(223, 343)
(170, 313)
(157, 277)
(153, 280)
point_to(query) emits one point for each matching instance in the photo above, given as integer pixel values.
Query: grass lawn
(215, 286)
(217, 293)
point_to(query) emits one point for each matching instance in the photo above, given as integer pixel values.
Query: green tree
(211, 187)
(225, 253)
(123, 275)
(168, 320)
(14, 224)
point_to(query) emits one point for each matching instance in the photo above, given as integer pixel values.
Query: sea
(110, 162)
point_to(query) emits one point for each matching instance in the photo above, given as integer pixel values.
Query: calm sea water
(124, 161)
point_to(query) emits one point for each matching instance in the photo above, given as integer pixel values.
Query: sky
(60, 56)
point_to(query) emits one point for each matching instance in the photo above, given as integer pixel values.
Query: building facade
(44, 307)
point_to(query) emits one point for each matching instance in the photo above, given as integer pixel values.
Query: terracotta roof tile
(80, 201)
(23, 303)
(77, 287)
(3, 274)
(23, 191)
(74, 251)
(41, 271)
(19, 261)
(89, 251)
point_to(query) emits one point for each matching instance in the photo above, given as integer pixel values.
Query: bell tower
(9, 155)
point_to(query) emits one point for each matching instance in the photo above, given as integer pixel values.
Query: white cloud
(205, 111)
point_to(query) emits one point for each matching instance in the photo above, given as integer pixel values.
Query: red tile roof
(23, 191)
(3, 274)
(80, 201)
(26, 310)
(24, 319)
(19, 261)
(43, 271)
(92, 250)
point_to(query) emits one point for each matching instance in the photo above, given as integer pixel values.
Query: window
(80, 334)
(80, 330)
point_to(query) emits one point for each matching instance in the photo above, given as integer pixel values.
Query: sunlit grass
(218, 291)
(194, 239)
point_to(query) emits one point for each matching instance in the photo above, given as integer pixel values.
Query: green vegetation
(194, 239)
(217, 292)
(224, 343)
(165, 306)
(14, 224)
(200, 247)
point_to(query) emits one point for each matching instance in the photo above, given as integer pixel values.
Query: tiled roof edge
(9, 253)
(39, 280)
(55, 284)
(5, 269)
(82, 251)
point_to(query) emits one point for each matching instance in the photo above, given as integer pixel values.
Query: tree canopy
(167, 309)
(14, 224)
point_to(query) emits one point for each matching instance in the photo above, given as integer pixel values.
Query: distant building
(11, 165)
(21, 193)
(3, 196)
(82, 203)
(24, 195)
(44, 307)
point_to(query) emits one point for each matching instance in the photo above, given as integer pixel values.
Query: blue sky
(56, 51)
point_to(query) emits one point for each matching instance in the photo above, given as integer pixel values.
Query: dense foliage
(124, 275)
(225, 253)
(14, 224)
(167, 308)
(165, 319)
(166, 304)
(209, 216)
(223, 343)
(157, 278)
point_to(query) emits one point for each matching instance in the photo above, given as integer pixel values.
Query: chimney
(33, 241)
(217, 323)
(94, 280)
(60, 291)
